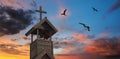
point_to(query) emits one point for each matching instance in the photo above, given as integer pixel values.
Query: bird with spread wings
(85, 26)
(64, 13)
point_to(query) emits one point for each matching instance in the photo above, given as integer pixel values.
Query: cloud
(81, 46)
(73, 45)
(25, 38)
(105, 46)
(78, 56)
(104, 34)
(14, 20)
(21, 4)
(13, 48)
(66, 57)
(114, 6)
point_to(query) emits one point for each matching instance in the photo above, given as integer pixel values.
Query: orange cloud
(11, 49)
(5, 40)
(10, 56)
(79, 44)
(78, 56)
(67, 57)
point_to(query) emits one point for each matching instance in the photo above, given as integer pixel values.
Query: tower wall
(40, 48)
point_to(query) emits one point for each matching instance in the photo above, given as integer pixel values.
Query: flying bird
(87, 27)
(64, 13)
(94, 9)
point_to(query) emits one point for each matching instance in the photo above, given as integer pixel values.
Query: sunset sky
(72, 41)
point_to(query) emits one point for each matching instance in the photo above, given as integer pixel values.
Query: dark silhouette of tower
(41, 46)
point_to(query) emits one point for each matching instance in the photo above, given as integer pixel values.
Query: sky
(72, 41)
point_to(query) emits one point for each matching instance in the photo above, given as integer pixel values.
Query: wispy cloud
(82, 46)
(78, 56)
(114, 6)
(11, 47)
(77, 42)
(105, 46)
(21, 4)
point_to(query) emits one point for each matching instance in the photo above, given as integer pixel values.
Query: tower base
(41, 49)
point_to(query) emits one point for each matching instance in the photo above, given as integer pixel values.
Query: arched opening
(46, 57)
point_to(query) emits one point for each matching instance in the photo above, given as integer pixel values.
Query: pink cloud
(16, 3)
(105, 34)
(80, 37)
(74, 45)
(104, 46)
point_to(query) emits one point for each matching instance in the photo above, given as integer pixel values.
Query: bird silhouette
(94, 9)
(64, 13)
(87, 27)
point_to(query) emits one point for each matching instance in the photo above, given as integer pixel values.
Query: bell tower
(41, 46)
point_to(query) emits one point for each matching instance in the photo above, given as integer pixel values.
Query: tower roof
(44, 26)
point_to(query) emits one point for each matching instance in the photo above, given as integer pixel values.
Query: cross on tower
(41, 11)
